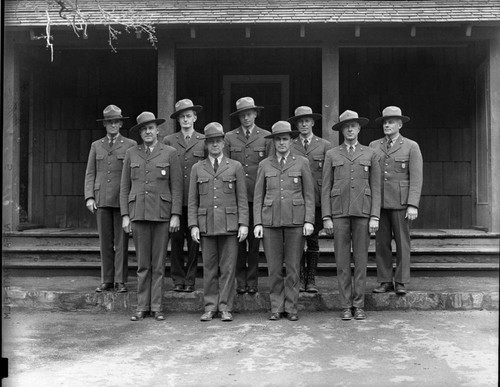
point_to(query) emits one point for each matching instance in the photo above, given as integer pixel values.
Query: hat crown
(145, 117)
(281, 127)
(111, 112)
(213, 129)
(390, 111)
(183, 104)
(303, 110)
(348, 115)
(245, 102)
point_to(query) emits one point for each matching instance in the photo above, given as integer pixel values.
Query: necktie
(282, 162)
(148, 151)
(306, 144)
(187, 138)
(350, 149)
(111, 142)
(389, 144)
(247, 134)
(216, 164)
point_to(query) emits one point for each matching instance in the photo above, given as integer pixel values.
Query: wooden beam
(166, 86)
(494, 132)
(330, 93)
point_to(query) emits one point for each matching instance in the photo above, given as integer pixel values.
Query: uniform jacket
(104, 170)
(351, 184)
(151, 186)
(189, 154)
(249, 153)
(218, 202)
(316, 152)
(402, 172)
(284, 198)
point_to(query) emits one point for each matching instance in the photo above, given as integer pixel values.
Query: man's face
(149, 133)
(215, 146)
(282, 143)
(392, 126)
(305, 126)
(351, 130)
(112, 127)
(247, 118)
(187, 119)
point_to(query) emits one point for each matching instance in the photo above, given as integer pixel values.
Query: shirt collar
(285, 156)
(394, 139)
(189, 133)
(250, 130)
(212, 159)
(354, 145)
(308, 138)
(114, 138)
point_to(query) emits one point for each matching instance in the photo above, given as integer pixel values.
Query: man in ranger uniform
(190, 146)
(102, 187)
(248, 145)
(314, 149)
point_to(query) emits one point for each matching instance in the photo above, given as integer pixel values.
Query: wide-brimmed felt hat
(392, 112)
(303, 112)
(349, 116)
(282, 127)
(111, 112)
(185, 104)
(145, 118)
(245, 103)
(212, 130)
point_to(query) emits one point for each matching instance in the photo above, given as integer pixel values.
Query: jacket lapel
(397, 145)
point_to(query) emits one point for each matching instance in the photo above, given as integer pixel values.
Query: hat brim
(293, 134)
(111, 119)
(258, 108)
(314, 116)
(380, 120)
(208, 137)
(361, 120)
(196, 108)
(158, 121)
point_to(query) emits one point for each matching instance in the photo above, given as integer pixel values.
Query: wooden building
(437, 60)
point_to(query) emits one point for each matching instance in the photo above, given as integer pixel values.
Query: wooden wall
(78, 86)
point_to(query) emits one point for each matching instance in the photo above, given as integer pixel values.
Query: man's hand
(126, 224)
(307, 229)
(242, 233)
(90, 203)
(258, 231)
(175, 223)
(195, 234)
(328, 226)
(373, 225)
(411, 213)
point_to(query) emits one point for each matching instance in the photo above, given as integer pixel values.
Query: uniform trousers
(113, 243)
(312, 240)
(393, 223)
(247, 266)
(183, 274)
(284, 245)
(151, 240)
(219, 251)
(346, 230)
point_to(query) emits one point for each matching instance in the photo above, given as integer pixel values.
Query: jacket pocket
(271, 180)
(298, 211)
(267, 213)
(165, 206)
(338, 170)
(99, 162)
(202, 220)
(295, 178)
(336, 201)
(199, 154)
(365, 166)
(228, 183)
(131, 206)
(203, 185)
(134, 171)
(163, 170)
(367, 201)
(231, 219)
(318, 162)
(261, 151)
(401, 164)
(404, 189)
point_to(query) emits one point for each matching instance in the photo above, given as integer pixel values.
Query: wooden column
(495, 131)
(11, 136)
(166, 86)
(330, 96)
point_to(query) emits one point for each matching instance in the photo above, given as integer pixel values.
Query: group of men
(227, 191)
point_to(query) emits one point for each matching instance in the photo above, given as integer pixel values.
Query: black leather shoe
(384, 288)
(400, 288)
(104, 287)
(311, 288)
(241, 290)
(359, 314)
(189, 288)
(158, 316)
(275, 316)
(293, 317)
(252, 290)
(138, 316)
(121, 288)
(208, 316)
(347, 314)
(178, 288)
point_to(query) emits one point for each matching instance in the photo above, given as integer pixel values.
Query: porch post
(495, 131)
(166, 86)
(11, 135)
(330, 94)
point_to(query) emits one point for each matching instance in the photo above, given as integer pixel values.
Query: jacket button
(215, 206)
(147, 182)
(109, 181)
(146, 192)
(109, 171)
(246, 174)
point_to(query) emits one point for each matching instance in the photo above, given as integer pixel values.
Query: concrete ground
(414, 348)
